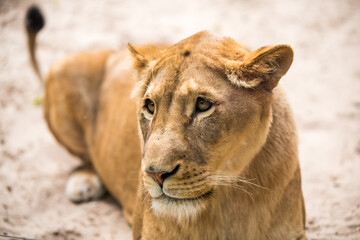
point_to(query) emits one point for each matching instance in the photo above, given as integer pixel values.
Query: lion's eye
(150, 106)
(202, 104)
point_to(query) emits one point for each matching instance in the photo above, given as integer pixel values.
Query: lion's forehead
(184, 88)
(188, 87)
(187, 81)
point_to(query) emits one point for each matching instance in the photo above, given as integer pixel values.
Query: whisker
(147, 195)
(237, 187)
(226, 176)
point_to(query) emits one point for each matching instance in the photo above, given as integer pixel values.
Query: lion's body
(88, 109)
(232, 171)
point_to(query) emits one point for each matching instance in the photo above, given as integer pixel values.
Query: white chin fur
(155, 192)
(182, 210)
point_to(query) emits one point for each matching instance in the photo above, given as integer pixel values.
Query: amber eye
(150, 106)
(202, 104)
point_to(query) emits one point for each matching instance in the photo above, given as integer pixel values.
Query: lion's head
(204, 108)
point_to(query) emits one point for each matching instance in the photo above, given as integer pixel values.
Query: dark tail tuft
(34, 20)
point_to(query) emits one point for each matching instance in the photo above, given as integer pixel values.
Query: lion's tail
(34, 22)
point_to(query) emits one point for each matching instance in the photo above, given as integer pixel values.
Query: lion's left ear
(263, 66)
(144, 54)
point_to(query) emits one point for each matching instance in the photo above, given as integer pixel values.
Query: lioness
(217, 154)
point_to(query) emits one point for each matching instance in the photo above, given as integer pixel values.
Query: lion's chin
(180, 209)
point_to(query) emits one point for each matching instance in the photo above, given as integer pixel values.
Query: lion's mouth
(205, 196)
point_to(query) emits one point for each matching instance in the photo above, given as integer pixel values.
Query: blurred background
(323, 86)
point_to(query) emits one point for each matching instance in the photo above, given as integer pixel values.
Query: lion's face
(197, 126)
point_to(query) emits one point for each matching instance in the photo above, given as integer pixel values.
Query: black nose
(160, 176)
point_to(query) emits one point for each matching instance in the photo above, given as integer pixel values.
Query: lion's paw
(84, 186)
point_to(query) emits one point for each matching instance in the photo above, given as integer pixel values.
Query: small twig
(13, 237)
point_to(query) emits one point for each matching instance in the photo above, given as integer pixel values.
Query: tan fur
(237, 172)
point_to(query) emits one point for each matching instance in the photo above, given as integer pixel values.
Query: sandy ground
(323, 86)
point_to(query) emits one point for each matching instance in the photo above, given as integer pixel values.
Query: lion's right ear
(139, 59)
(143, 55)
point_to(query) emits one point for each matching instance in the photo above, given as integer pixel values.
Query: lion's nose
(157, 176)
(160, 176)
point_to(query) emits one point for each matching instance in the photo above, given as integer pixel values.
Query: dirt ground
(323, 86)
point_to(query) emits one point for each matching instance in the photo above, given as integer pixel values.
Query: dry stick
(14, 237)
